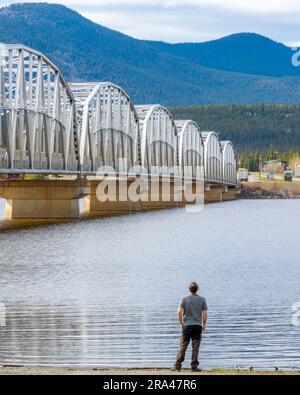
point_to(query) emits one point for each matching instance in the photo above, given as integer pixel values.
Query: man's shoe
(175, 369)
(196, 370)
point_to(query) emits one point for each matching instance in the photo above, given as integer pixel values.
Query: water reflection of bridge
(53, 128)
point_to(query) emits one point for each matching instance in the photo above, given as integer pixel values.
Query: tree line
(259, 132)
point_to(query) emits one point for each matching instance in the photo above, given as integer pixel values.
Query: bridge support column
(161, 194)
(213, 193)
(116, 197)
(231, 193)
(47, 199)
(192, 193)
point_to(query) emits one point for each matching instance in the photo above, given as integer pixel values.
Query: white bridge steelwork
(109, 127)
(38, 126)
(190, 148)
(48, 126)
(213, 157)
(229, 162)
(159, 139)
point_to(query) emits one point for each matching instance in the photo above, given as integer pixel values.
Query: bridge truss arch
(212, 157)
(109, 127)
(38, 122)
(229, 163)
(190, 148)
(158, 139)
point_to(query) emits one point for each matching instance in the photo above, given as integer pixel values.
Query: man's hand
(205, 317)
(180, 316)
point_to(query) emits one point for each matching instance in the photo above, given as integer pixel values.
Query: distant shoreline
(270, 190)
(42, 370)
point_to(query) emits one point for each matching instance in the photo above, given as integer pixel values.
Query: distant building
(275, 166)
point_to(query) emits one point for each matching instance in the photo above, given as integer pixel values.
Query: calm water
(105, 292)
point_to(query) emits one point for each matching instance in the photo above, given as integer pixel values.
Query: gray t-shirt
(193, 306)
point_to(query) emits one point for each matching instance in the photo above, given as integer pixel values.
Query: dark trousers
(189, 332)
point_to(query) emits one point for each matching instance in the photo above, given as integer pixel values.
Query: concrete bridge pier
(150, 194)
(131, 195)
(213, 193)
(109, 197)
(161, 194)
(42, 199)
(231, 193)
(134, 194)
(59, 199)
(192, 193)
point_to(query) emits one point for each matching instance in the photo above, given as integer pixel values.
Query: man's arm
(180, 314)
(204, 320)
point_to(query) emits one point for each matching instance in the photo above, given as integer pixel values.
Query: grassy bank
(22, 370)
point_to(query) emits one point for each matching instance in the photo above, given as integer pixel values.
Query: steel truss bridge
(52, 127)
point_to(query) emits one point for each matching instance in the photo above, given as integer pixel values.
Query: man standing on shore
(192, 316)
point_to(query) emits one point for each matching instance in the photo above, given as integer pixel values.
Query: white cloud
(269, 6)
(253, 6)
(192, 20)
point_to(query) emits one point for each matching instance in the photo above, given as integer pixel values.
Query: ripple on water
(105, 292)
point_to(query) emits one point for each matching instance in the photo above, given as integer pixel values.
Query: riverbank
(23, 370)
(270, 190)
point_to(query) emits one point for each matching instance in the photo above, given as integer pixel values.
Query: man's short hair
(193, 287)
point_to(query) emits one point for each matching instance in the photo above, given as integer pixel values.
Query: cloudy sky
(193, 20)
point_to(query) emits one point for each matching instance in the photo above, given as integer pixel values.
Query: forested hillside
(151, 72)
(250, 127)
(248, 53)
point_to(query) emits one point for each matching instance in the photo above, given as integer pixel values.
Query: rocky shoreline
(259, 193)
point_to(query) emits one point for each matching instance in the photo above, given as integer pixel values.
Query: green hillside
(151, 73)
(251, 127)
(247, 53)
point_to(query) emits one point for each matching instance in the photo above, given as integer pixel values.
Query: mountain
(248, 53)
(150, 72)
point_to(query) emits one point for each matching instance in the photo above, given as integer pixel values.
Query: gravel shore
(24, 370)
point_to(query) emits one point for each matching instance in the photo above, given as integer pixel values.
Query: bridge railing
(49, 126)
(38, 125)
